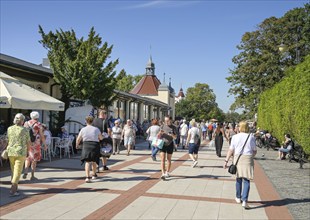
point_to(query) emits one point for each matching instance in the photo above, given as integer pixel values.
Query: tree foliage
(286, 107)
(260, 64)
(234, 117)
(126, 82)
(199, 103)
(81, 67)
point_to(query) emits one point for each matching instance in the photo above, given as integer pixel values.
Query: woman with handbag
(243, 148)
(167, 133)
(90, 135)
(18, 146)
(152, 133)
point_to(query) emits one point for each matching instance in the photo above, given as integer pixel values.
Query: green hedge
(286, 107)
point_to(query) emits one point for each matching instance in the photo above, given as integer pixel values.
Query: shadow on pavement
(197, 177)
(280, 202)
(136, 171)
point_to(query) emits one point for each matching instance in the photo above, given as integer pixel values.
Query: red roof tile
(148, 85)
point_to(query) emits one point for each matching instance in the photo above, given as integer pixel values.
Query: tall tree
(199, 103)
(80, 66)
(126, 82)
(260, 64)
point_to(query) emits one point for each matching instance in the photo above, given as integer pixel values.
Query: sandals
(25, 175)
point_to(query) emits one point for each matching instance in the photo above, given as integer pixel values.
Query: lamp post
(283, 48)
(118, 107)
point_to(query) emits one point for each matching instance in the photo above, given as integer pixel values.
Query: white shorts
(128, 141)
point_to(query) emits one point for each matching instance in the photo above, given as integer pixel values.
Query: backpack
(32, 134)
(210, 127)
(196, 138)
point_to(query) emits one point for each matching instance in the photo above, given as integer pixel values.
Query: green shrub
(286, 107)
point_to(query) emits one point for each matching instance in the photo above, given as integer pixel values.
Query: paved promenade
(132, 189)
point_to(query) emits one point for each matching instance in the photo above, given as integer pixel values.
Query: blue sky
(191, 41)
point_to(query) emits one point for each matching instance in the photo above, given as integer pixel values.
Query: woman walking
(18, 145)
(34, 154)
(245, 165)
(90, 135)
(193, 142)
(218, 138)
(129, 135)
(152, 133)
(167, 133)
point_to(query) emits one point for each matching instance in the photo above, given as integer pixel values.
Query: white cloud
(161, 4)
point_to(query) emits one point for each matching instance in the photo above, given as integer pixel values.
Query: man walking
(102, 123)
(183, 134)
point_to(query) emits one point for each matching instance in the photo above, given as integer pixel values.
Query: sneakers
(163, 177)
(245, 205)
(153, 158)
(94, 177)
(87, 180)
(167, 175)
(195, 164)
(238, 200)
(25, 175)
(105, 168)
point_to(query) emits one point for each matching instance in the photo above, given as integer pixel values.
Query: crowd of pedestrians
(25, 150)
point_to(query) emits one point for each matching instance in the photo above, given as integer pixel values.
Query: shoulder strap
(242, 149)
(33, 124)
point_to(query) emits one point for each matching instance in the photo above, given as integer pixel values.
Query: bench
(297, 154)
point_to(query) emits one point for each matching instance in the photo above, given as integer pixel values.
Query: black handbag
(232, 169)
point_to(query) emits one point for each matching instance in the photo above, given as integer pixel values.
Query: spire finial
(170, 81)
(164, 77)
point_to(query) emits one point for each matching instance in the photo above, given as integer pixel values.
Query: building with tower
(151, 87)
(180, 96)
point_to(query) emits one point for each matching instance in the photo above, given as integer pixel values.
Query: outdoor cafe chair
(55, 141)
(48, 152)
(65, 144)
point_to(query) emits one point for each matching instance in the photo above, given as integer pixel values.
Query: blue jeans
(154, 151)
(245, 191)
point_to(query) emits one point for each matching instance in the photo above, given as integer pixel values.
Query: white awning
(14, 94)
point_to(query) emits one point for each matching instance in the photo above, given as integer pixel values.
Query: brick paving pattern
(132, 189)
(292, 183)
